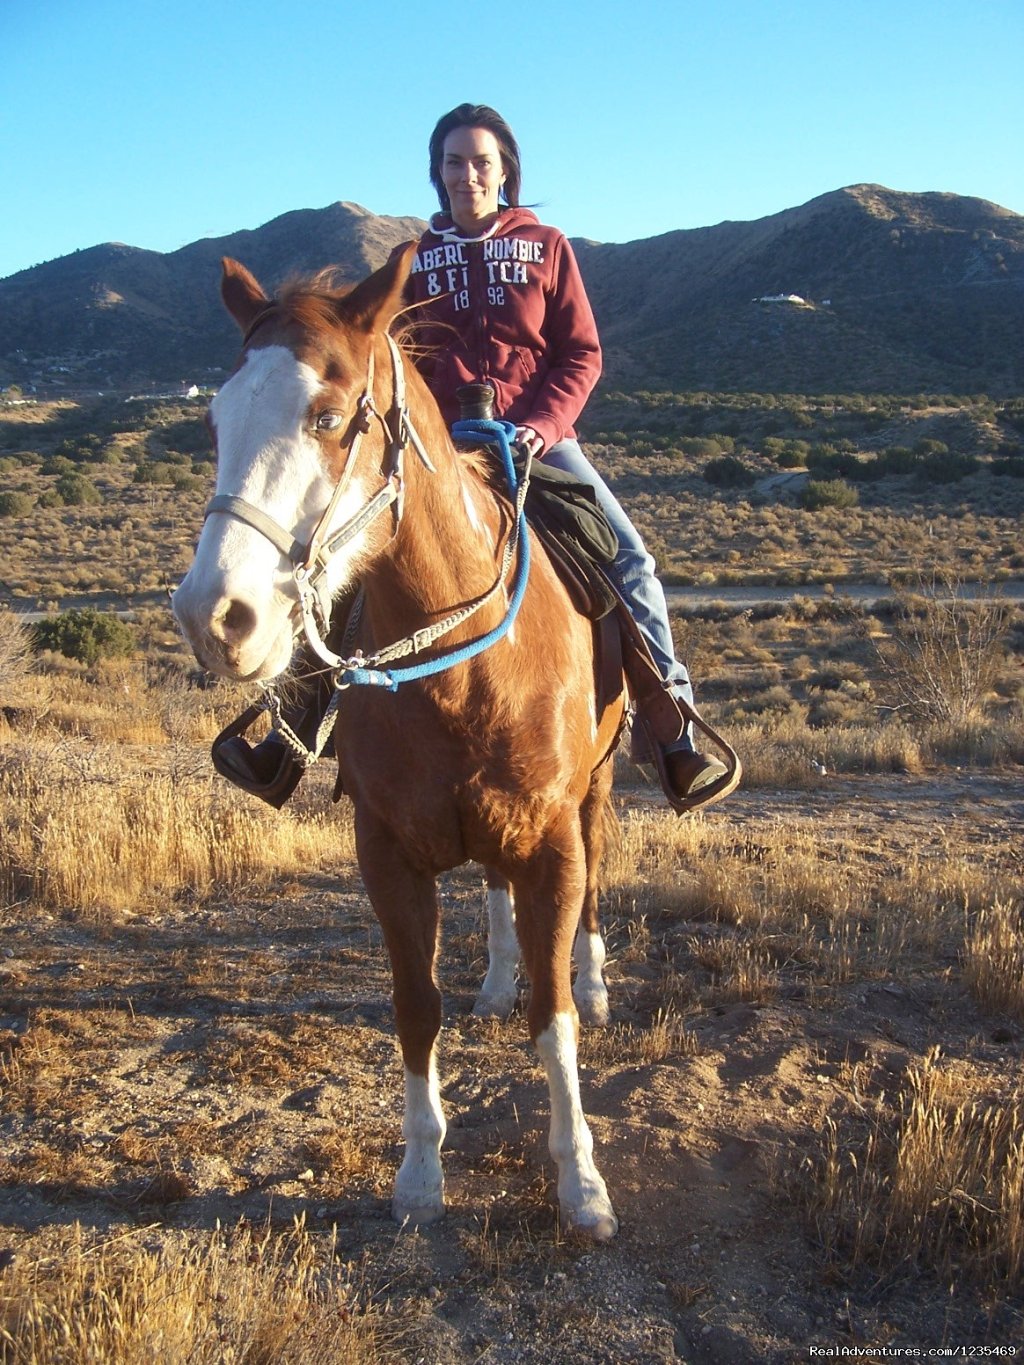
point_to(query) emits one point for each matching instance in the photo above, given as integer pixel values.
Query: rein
(309, 562)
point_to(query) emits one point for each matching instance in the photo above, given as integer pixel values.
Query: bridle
(309, 560)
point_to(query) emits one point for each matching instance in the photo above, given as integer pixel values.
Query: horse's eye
(328, 421)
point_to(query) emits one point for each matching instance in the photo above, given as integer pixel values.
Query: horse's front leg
(549, 892)
(405, 902)
(497, 998)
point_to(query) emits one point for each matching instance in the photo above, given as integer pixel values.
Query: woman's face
(472, 172)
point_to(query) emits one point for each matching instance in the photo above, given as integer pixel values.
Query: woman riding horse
(499, 299)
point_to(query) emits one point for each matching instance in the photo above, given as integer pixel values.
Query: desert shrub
(79, 449)
(77, 491)
(58, 464)
(49, 498)
(728, 472)
(707, 446)
(15, 650)
(87, 635)
(945, 467)
(924, 446)
(155, 471)
(844, 464)
(108, 454)
(188, 483)
(188, 434)
(792, 455)
(944, 652)
(898, 460)
(725, 441)
(830, 677)
(1007, 469)
(15, 504)
(819, 493)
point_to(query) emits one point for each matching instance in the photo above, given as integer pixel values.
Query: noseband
(309, 561)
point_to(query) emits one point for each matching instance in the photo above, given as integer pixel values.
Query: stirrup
(705, 796)
(275, 790)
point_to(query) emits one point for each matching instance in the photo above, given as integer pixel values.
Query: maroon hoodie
(509, 308)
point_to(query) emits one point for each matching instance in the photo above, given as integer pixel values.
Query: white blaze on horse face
(267, 456)
(582, 1194)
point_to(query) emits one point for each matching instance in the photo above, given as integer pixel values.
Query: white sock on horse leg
(498, 993)
(419, 1185)
(590, 992)
(582, 1194)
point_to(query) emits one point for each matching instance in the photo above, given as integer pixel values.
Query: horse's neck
(445, 553)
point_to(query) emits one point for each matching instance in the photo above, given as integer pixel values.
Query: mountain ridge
(899, 291)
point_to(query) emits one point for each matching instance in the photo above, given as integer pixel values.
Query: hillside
(897, 293)
(116, 315)
(902, 292)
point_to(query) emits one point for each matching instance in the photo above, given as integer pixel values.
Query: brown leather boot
(692, 779)
(690, 772)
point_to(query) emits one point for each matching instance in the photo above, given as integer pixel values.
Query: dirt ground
(236, 1061)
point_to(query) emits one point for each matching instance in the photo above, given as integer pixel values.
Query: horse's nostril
(236, 622)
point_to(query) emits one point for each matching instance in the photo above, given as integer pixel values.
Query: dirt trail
(248, 1049)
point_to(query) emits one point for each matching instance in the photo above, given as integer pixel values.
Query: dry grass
(667, 1035)
(85, 832)
(248, 1295)
(110, 809)
(994, 958)
(111, 803)
(784, 898)
(937, 1182)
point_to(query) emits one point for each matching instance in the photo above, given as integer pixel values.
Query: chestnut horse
(334, 460)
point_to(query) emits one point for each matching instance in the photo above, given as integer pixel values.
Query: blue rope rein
(500, 435)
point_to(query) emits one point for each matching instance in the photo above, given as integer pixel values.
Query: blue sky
(155, 124)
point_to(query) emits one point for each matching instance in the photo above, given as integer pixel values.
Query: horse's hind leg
(405, 903)
(590, 991)
(497, 996)
(549, 889)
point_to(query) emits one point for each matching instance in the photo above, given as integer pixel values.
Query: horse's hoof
(593, 1010)
(494, 1006)
(598, 1227)
(416, 1216)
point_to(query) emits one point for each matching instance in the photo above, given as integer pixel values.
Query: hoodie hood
(442, 226)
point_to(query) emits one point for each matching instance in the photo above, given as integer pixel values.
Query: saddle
(580, 544)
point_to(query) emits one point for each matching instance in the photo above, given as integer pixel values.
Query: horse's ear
(372, 305)
(241, 292)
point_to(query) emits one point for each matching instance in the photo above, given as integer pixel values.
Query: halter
(309, 562)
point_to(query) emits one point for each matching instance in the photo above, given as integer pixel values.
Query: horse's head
(295, 460)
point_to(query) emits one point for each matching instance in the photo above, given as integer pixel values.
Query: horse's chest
(444, 804)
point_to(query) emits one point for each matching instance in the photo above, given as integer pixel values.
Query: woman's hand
(530, 441)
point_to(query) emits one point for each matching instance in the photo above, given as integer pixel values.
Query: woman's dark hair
(477, 116)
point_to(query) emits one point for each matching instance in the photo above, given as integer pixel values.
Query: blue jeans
(632, 572)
